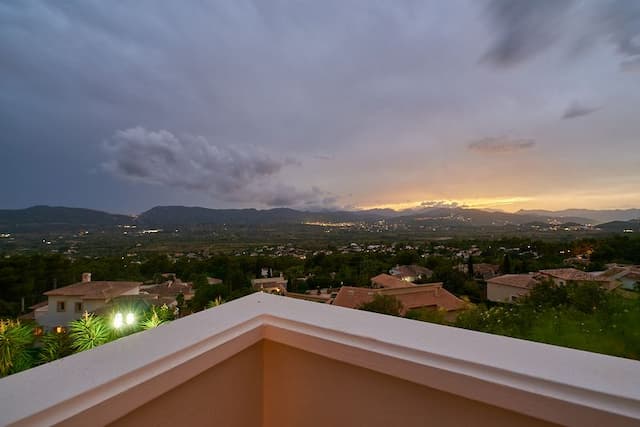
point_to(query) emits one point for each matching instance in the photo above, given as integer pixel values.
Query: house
(431, 296)
(379, 371)
(481, 270)
(387, 281)
(272, 285)
(485, 271)
(70, 302)
(169, 290)
(628, 276)
(566, 276)
(511, 287)
(411, 273)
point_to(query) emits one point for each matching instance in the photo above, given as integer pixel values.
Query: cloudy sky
(320, 104)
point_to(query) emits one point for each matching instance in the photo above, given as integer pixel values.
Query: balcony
(266, 360)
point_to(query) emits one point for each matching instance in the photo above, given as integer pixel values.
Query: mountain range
(48, 217)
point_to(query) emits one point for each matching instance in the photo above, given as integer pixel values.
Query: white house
(70, 302)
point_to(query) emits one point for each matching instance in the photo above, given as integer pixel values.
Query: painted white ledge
(551, 383)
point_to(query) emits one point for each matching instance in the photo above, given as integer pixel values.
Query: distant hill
(594, 216)
(53, 218)
(38, 217)
(183, 215)
(621, 226)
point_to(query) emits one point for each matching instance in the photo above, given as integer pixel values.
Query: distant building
(272, 285)
(431, 296)
(387, 281)
(168, 291)
(511, 287)
(411, 273)
(566, 276)
(70, 302)
(214, 281)
(628, 276)
(481, 270)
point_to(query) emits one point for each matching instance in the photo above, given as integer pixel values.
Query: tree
(470, 266)
(15, 342)
(383, 304)
(54, 346)
(88, 332)
(506, 264)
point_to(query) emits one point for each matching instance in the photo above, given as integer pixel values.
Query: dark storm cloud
(576, 109)
(346, 87)
(238, 174)
(499, 145)
(621, 23)
(523, 28)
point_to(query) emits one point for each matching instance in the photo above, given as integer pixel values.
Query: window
(60, 306)
(78, 307)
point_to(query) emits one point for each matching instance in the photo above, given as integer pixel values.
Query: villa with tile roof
(387, 281)
(431, 296)
(70, 302)
(511, 287)
(411, 273)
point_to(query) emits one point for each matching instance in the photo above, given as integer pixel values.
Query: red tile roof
(411, 297)
(389, 282)
(572, 274)
(524, 281)
(411, 271)
(94, 290)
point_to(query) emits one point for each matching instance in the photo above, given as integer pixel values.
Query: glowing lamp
(118, 321)
(129, 319)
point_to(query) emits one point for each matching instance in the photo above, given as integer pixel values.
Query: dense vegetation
(584, 317)
(581, 317)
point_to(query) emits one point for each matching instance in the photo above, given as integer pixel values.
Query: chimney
(86, 277)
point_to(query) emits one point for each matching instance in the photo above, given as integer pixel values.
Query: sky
(333, 104)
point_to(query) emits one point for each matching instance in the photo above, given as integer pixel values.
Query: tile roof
(170, 288)
(573, 274)
(94, 290)
(411, 297)
(411, 271)
(485, 268)
(389, 282)
(524, 281)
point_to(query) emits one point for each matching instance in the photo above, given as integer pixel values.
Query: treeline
(29, 276)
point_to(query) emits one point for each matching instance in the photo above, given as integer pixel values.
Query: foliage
(383, 304)
(15, 342)
(206, 293)
(156, 316)
(89, 332)
(424, 315)
(54, 346)
(216, 302)
(577, 316)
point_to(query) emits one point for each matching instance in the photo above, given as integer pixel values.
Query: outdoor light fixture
(130, 319)
(117, 321)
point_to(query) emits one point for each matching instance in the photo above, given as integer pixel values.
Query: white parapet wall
(101, 386)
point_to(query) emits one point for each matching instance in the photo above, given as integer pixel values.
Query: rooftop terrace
(266, 360)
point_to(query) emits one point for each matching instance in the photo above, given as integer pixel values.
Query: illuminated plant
(15, 342)
(88, 332)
